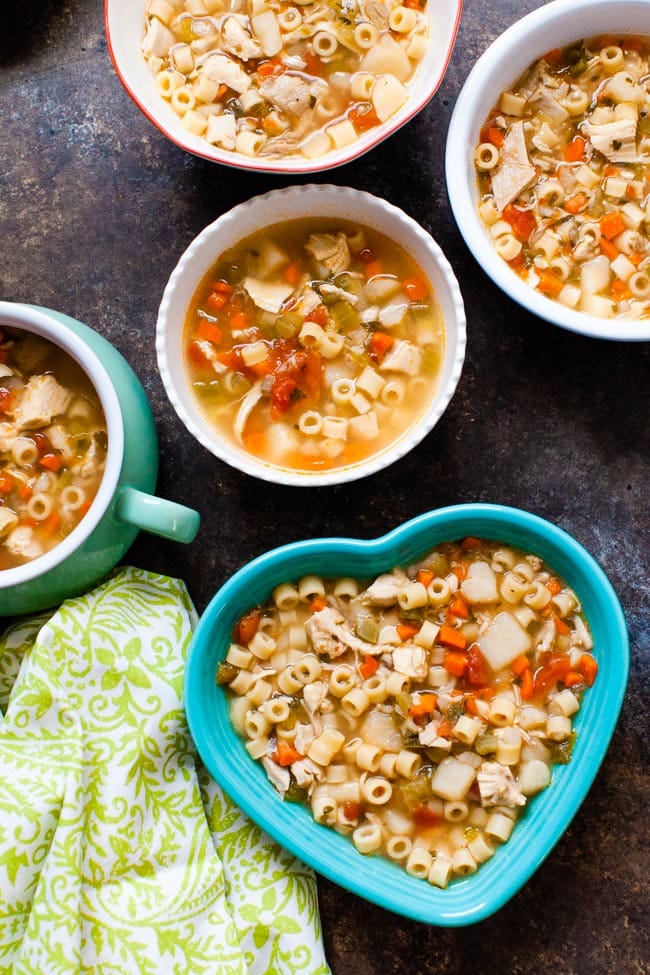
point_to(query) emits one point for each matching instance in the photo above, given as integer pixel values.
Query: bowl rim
(490, 73)
(454, 354)
(30, 318)
(471, 899)
(332, 159)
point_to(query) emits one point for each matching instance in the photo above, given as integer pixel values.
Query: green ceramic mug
(124, 503)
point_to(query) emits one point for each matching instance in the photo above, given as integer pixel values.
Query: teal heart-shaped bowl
(547, 815)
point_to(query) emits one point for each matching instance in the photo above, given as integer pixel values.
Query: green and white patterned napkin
(118, 854)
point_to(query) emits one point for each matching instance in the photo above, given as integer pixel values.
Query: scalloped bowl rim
(473, 898)
(132, 75)
(552, 25)
(326, 200)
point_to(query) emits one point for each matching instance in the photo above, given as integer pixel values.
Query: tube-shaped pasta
(398, 847)
(486, 157)
(256, 724)
(412, 596)
(342, 390)
(375, 688)
(558, 727)
(308, 668)
(419, 862)
(262, 645)
(455, 811)
(463, 863)
(612, 58)
(538, 596)
(288, 683)
(242, 682)
(367, 838)
(286, 596)
(397, 683)
(440, 871)
(367, 757)
(376, 790)
(499, 826)
(239, 656)
(393, 393)
(342, 680)
(39, 507)
(324, 44)
(502, 711)
(402, 20)
(72, 497)
(24, 451)
(259, 691)
(183, 100)
(361, 84)
(355, 702)
(366, 36)
(309, 587)
(324, 747)
(346, 588)
(407, 763)
(257, 747)
(324, 809)
(276, 709)
(289, 19)
(438, 591)
(507, 246)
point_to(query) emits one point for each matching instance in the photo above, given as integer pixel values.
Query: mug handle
(157, 515)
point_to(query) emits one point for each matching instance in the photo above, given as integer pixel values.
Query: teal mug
(125, 502)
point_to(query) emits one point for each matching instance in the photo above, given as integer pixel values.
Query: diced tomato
(423, 817)
(246, 628)
(273, 66)
(282, 396)
(406, 630)
(319, 315)
(196, 354)
(523, 222)
(43, 443)
(478, 672)
(6, 482)
(232, 359)
(216, 301)
(368, 667)
(51, 462)
(363, 117)
(373, 268)
(496, 136)
(286, 754)
(555, 668)
(351, 810)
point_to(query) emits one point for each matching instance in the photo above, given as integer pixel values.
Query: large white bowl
(554, 25)
(124, 30)
(261, 212)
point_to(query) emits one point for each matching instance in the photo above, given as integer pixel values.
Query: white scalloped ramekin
(124, 20)
(555, 24)
(262, 212)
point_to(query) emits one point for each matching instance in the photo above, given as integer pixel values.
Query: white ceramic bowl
(264, 211)
(555, 24)
(124, 29)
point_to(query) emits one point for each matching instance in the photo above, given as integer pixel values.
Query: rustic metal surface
(95, 209)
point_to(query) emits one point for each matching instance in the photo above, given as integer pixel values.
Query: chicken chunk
(429, 737)
(248, 404)
(330, 250)
(403, 357)
(331, 635)
(267, 295)
(21, 543)
(384, 590)
(278, 776)
(158, 40)
(238, 41)
(8, 520)
(411, 661)
(498, 787)
(616, 140)
(42, 399)
(515, 171)
(224, 71)
(288, 93)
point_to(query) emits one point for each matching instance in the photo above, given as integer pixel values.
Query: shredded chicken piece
(411, 661)
(429, 737)
(42, 399)
(280, 777)
(498, 787)
(238, 41)
(403, 357)
(331, 635)
(514, 172)
(330, 250)
(383, 591)
(616, 140)
(225, 71)
(288, 93)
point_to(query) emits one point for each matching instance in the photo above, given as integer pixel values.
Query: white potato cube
(503, 641)
(452, 779)
(480, 584)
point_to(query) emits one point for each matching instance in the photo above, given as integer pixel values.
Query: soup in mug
(52, 446)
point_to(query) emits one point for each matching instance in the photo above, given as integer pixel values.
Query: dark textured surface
(95, 209)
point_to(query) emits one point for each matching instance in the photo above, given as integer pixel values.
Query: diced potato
(452, 779)
(480, 584)
(503, 641)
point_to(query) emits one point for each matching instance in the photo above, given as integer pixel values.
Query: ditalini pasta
(52, 446)
(268, 78)
(418, 727)
(314, 344)
(564, 175)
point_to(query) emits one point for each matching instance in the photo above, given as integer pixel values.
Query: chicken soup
(314, 344)
(420, 712)
(282, 79)
(52, 446)
(564, 176)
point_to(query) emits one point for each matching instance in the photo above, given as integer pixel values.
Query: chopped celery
(295, 793)
(562, 750)
(210, 391)
(455, 710)
(226, 672)
(485, 744)
(345, 316)
(239, 384)
(431, 357)
(366, 628)
(416, 791)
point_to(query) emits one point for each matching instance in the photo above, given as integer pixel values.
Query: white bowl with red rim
(125, 22)
(261, 213)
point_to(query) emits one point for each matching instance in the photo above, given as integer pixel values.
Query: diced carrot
(6, 482)
(608, 249)
(318, 603)
(527, 688)
(216, 301)
(25, 492)
(239, 321)
(292, 274)
(611, 224)
(372, 268)
(630, 192)
(470, 705)
(363, 117)
(560, 626)
(369, 666)
(575, 150)
(262, 368)
(620, 290)
(425, 705)
(444, 728)
(549, 284)
(425, 576)
(460, 570)
(455, 662)
(553, 586)
(52, 522)
(609, 169)
(458, 607)
(380, 343)
(416, 287)
(221, 91)
(51, 462)
(222, 287)
(450, 637)
(406, 630)
(210, 331)
(573, 679)
(230, 358)
(246, 628)
(553, 56)
(577, 203)
(548, 675)
(272, 66)
(588, 667)
(520, 664)
(496, 136)
(285, 754)
(635, 258)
